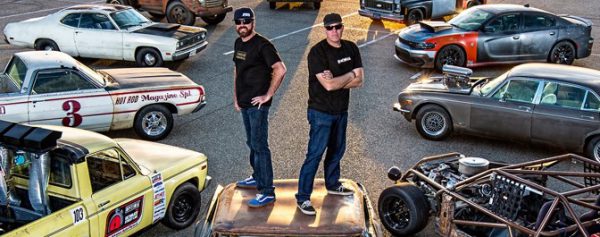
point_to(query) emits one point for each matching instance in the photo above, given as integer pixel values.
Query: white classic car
(48, 87)
(108, 31)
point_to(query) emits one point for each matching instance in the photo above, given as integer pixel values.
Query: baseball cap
(332, 18)
(243, 13)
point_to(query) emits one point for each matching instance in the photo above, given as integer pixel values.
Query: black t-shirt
(339, 61)
(253, 60)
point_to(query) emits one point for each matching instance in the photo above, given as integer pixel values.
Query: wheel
(153, 122)
(121, 2)
(562, 53)
(46, 44)
(473, 3)
(403, 209)
(148, 57)
(317, 5)
(452, 55)
(433, 122)
(178, 13)
(592, 149)
(414, 16)
(213, 20)
(183, 208)
(272, 5)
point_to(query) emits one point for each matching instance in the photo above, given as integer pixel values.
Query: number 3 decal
(73, 119)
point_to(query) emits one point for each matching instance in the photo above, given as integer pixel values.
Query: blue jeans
(327, 131)
(256, 122)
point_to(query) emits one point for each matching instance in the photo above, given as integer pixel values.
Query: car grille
(387, 6)
(192, 40)
(213, 3)
(404, 56)
(407, 42)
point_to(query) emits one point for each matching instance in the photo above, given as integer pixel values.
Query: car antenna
(526, 5)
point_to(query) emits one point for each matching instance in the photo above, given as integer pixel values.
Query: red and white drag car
(48, 87)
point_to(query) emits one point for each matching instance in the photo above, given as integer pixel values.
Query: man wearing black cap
(258, 72)
(334, 67)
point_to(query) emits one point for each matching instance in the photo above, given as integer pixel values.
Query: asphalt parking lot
(377, 136)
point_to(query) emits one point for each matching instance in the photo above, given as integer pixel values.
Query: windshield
(492, 83)
(99, 78)
(17, 70)
(470, 19)
(128, 18)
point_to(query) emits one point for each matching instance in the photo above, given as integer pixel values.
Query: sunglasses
(337, 27)
(243, 21)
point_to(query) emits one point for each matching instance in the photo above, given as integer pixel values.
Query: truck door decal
(73, 119)
(78, 215)
(160, 198)
(124, 217)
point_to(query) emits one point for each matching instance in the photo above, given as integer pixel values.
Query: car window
(95, 21)
(471, 19)
(518, 90)
(71, 19)
(60, 169)
(591, 102)
(504, 23)
(537, 21)
(17, 71)
(128, 18)
(562, 95)
(108, 167)
(59, 81)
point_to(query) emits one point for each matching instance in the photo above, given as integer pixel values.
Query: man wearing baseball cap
(258, 72)
(334, 67)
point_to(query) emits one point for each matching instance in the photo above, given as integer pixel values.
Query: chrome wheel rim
(154, 123)
(149, 59)
(433, 124)
(115, 2)
(49, 48)
(597, 152)
(397, 214)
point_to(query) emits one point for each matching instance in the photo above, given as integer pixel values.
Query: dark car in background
(496, 33)
(413, 11)
(550, 104)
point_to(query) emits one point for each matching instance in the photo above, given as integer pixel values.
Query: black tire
(592, 149)
(473, 3)
(183, 208)
(414, 16)
(433, 122)
(213, 20)
(46, 44)
(317, 5)
(148, 57)
(178, 13)
(403, 209)
(272, 5)
(450, 54)
(121, 2)
(563, 52)
(153, 122)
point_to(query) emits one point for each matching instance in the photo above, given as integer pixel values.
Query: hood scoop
(165, 26)
(435, 26)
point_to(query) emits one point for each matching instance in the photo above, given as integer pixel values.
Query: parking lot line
(296, 31)
(40, 11)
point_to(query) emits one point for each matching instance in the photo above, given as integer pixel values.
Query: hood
(158, 157)
(174, 31)
(437, 84)
(127, 78)
(427, 29)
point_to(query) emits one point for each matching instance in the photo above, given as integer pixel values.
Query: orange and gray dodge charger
(496, 33)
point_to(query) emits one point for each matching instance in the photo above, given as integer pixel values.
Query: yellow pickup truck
(60, 181)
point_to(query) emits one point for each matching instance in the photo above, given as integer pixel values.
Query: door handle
(525, 108)
(587, 117)
(77, 32)
(516, 37)
(103, 203)
(552, 33)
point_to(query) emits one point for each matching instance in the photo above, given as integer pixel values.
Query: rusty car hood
(128, 78)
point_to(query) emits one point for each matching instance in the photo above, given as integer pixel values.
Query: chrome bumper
(200, 106)
(414, 57)
(381, 15)
(185, 53)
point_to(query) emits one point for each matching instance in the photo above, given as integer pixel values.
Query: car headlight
(425, 45)
(179, 44)
(203, 36)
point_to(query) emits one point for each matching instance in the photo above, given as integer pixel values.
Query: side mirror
(489, 29)
(394, 173)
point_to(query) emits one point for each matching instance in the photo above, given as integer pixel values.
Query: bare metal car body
(550, 104)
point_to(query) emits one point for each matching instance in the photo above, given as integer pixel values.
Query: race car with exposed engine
(61, 181)
(550, 104)
(471, 196)
(496, 33)
(49, 87)
(413, 11)
(228, 214)
(108, 31)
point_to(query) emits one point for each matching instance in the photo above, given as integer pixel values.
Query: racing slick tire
(414, 16)
(272, 5)
(213, 20)
(178, 13)
(563, 52)
(153, 122)
(148, 57)
(452, 55)
(183, 208)
(46, 44)
(403, 209)
(317, 5)
(433, 122)
(592, 149)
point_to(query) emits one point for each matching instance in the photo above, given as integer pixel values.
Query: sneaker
(341, 190)
(249, 182)
(261, 200)
(307, 208)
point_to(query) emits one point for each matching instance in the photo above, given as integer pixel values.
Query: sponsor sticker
(78, 215)
(160, 198)
(124, 217)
